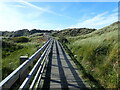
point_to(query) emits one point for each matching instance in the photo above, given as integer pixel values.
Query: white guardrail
(38, 68)
(15, 75)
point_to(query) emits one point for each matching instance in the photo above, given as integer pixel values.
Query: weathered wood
(23, 74)
(23, 59)
(14, 76)
(61, 71)
(34, 70)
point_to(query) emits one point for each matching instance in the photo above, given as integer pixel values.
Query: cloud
(63, 8)
(45, 10)
(36, 7)
(64, 0)
(12, 18)
(19, 16)
(20, 6)
(115, 10)
(98, 21)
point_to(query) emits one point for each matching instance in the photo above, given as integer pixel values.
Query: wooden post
(23, 59)
(24, 74)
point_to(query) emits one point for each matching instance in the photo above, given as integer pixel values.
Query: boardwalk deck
(61, 72)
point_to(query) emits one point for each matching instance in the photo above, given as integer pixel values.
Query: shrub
(20, 39)
(63, 40)
(8, 47)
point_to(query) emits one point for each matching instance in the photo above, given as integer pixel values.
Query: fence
(36, 71)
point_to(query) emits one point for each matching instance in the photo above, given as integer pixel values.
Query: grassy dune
(98, 52)
(11, 62)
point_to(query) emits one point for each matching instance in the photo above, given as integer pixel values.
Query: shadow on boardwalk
(75, 74)
(80, 67)
(63, 80)
(47, 78)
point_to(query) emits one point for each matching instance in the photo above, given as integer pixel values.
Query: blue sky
(56, 15)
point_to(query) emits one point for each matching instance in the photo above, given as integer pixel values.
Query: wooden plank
(63, 71)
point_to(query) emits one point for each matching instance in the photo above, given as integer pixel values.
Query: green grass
(12, 61)
(22, 39)
(8, 47)
(98, 52)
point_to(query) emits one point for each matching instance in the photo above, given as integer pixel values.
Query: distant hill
(74, 32)
(23, 32)
(64, 32)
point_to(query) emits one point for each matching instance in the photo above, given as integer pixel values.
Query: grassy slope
(98, 54)
(11, 62)
(74, 32)
(8, 47)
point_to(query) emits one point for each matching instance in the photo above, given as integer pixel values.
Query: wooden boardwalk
(61, 72)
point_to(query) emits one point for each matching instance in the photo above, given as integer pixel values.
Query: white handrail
(40, 67)
(34, 69)
(13, 77)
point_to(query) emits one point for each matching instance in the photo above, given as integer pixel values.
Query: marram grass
(98, 54)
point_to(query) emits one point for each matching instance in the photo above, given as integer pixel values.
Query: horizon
(57, 30)
(56, 15)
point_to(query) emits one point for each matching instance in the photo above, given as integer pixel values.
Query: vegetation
(98, 53)
(73, 32)
(9, 47)
(23, 32)
(12, 50)
(20, 39)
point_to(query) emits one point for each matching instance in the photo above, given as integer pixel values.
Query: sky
(56, 15)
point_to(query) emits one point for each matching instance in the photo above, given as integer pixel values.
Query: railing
(38, 70)
(10, 80)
